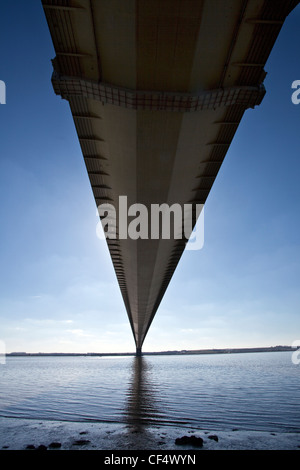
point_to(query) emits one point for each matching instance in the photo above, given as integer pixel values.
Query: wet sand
(18, 434)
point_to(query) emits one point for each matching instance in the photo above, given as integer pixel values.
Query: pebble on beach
(81, 442)
(55, 445)
(189, 440)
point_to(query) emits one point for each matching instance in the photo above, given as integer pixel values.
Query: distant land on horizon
(174, 352)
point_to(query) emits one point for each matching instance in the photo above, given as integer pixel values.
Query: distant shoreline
(161, 353)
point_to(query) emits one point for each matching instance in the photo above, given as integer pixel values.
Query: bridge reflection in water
(159, 395)
(141, 407)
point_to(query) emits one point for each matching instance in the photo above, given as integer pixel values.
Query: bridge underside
(157, 90)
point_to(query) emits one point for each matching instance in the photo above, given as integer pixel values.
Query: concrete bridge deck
(157, 89)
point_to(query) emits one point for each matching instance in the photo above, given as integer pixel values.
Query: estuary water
(245, 391)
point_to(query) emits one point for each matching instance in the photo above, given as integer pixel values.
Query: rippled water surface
(258, 391)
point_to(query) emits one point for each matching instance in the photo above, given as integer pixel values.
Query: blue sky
(58, 290)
